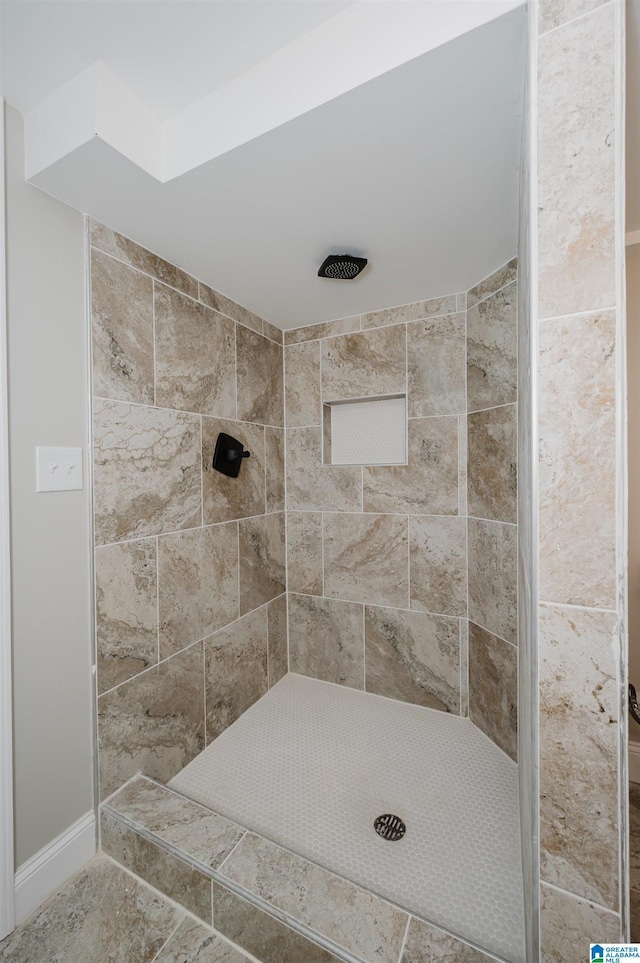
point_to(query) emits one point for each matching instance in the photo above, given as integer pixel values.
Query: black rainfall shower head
(342, 267)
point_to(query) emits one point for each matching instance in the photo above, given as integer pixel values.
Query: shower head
(341, 267)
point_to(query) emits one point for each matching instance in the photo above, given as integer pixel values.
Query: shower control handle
(232, 454)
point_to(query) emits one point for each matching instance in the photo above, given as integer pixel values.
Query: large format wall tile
(503, 276)
(302, 384)
(219, 302)
(236, 672)
(327, 329)
(366, 558)
(568, 925)
(146, 471)
(122, 331)
(138, 257)
(492, 463)
(197, 584)
(438, 547)
(312, 486)
(126, 610)
(493, 688)
(492, 364)
(369, 363)
(492, 548)
(553, 13)
(579, 713)
(410, 312)
(224, 498)
(428, 484)
(274, 478)
(278, 639)
(577, 489)
(260, 392)
(195, 360)
(262, 560)
(426, 944)
(304, 552)
(326, 640)
(154, 723)
(272, 332)
(436, 362)
(413, 657)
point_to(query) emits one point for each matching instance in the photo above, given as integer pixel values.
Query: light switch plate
(58, 469)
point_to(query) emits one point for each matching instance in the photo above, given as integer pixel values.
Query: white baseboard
(634, 761)
(41, 875)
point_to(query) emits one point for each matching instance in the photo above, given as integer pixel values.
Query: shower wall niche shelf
(365, 431)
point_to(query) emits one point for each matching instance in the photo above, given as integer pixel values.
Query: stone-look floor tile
(568, 925)
(369, 363)
(270, 331)
(194, 943)
(576, 165)
(492, 464)
(503, 276)
(260, 386)
(426, 944)
(366, 558)
(493, 688)
(274, 453)
(177, 820)
(579, 714)
(413, 657)
(492, 364)
(436, 366)
(410, 312)
(312, 486)
(231, 309)
(278, 644)
(126, 610)
(236, 670)
(553, 13)
(121, 331)
(634, 897)
(100, 914)
(195, 360)
(138, 257)
(428, 484)
(634, 835)
(154, 723)
(146, 471)
(302, 384)
(351, 917)
(197, 584)
(304, 552)
(577, 461)
(326, 640)
(327, 329)
(266, 938)
(224, 498)
(262, 560)
(438, 569)
(162, 870)
(493, 576)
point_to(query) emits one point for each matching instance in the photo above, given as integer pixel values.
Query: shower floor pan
(311, 766)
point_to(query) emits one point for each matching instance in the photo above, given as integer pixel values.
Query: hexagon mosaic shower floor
(311, 765)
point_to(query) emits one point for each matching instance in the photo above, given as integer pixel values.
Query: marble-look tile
(553, 13)
(426, 944)
(492, 567)
(576, 165)
(436, 363)
(370, 363)
(161, 869)
(413, 657)
(121, 331)
(492, 363)
(352, 917)
(489, 285)
(270, 331)
(236, 670)
(195, 361)
(260, 386)
(312, 486)
(464, 667)
(102, 913)
(219, 302)
(126, 610)
(410, 312)
(492, 464)
(428, 484)
(327, 329)
(577, 461)
(438, 570)
(366, 558)
(274, 454)
(326, 640)
(197, 584)
(302, 384)
(278, 643)
(493, 688)
(634, 836)
(266, 938)
(462, 465)
(126, 250)
(225, 498)
(579, 715)
(304, 552)
(634, 905)
(179, 821)
(568, 925)
(146, 471)
(262, 560)
(154, 723)
(194, 943)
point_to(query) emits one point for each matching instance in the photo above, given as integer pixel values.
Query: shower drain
(390, 827)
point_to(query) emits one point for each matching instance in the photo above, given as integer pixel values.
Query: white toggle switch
(58, 469)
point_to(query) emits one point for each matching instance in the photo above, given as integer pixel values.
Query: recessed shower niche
(367, 431)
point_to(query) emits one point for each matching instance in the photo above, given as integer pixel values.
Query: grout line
(382, 605)
(157, 597)
(404, 939)
(193, 528)
(477, 411)
(581, 16)
(204, 689)
(232, 851)
(513, 645)
(577, 314)
(573, 607)
(238, 546)
(173, 931)
(590, 902)
(503, 287)
(183, 411)
(201, 474)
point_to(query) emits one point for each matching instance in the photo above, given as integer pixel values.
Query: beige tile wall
(190, 565)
